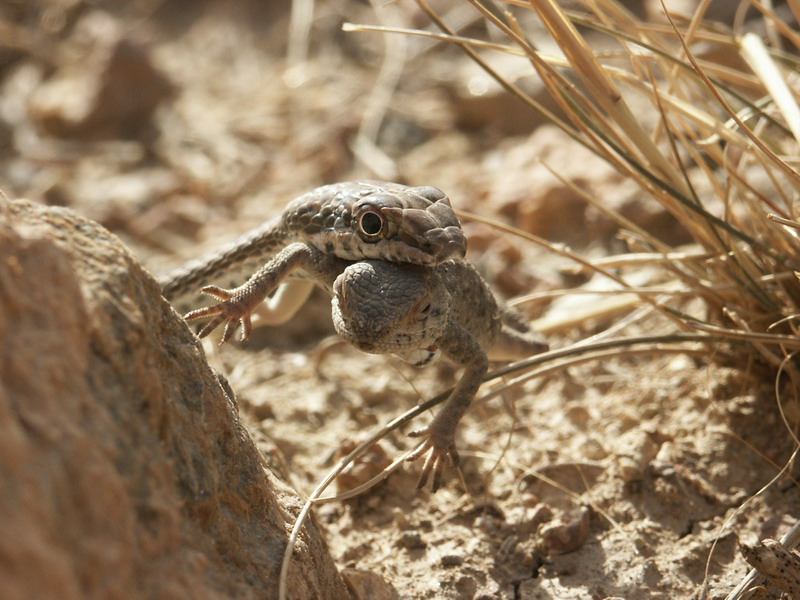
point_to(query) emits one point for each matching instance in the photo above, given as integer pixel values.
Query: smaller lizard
(311, 240)
(419, 313)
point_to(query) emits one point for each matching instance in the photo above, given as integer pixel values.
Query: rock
(368, 465)
(568, 533)
(367, 585)
(633, 452)
(105, 86)
(125, 471)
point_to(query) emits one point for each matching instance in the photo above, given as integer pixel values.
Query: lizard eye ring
(371, 224)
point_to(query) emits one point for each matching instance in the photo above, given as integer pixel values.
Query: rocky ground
(178, 125)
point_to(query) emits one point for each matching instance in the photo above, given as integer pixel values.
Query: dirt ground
(179, 125)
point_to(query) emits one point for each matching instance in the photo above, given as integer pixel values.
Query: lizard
(417, 226)
(419, 313)
(312, 242)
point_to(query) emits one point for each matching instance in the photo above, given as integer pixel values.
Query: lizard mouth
(426, 238)
(447, 243)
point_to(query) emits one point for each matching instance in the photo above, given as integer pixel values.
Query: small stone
(411, 540)
(368, 585)
(593, 449)
(577, 415)
(634, 450)
(451, 560)
(400, 519)
(568, 534)
(370, 464)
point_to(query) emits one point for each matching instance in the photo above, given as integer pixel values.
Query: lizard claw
(233, 310)
(439, 445)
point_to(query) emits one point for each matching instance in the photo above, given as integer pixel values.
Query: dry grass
(722, 158)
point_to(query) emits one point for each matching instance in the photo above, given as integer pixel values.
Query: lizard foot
(440, 444)
(235, 309)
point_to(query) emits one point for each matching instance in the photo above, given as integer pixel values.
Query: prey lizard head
(389, 308)
(380, 220)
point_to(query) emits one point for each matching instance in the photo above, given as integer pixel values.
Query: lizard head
(389, 308)
(411, 225)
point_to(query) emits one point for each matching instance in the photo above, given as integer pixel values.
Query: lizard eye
(424, 310)
(370, 223)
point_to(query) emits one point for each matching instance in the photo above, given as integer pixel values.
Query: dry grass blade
(758, 58)
(603, 89)
(759, 143)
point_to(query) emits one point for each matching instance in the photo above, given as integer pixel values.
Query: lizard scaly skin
(418, 300)
(419, 312)
(313, 239)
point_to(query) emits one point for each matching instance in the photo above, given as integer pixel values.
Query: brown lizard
(340, 224)
(419, 312)
(311, 241)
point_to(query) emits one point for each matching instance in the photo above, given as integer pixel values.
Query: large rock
(124, 469)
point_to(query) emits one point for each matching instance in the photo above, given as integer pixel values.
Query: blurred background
(179, 124)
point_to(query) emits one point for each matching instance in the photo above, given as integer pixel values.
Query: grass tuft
(722, 159)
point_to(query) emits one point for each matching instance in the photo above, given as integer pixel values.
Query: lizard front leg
(460, 346)
(238, 304)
